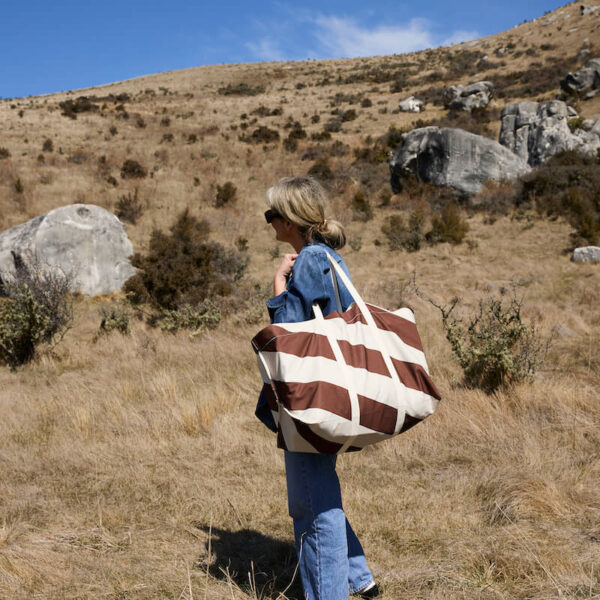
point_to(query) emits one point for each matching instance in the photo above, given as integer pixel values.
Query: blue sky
(49, 46)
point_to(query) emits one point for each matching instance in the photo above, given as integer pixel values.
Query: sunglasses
(270, 215)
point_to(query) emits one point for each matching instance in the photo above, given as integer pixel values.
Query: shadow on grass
(255, 562)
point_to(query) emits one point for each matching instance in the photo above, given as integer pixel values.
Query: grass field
(132, 467)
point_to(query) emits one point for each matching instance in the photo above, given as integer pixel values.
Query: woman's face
(281, 227)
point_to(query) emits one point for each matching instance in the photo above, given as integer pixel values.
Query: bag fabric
(342, 382)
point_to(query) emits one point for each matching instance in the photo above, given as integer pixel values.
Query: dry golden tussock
(132, 467)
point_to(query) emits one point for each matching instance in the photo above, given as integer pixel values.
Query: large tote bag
(342, 382)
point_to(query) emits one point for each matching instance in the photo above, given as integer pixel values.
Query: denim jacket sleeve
(304, 288)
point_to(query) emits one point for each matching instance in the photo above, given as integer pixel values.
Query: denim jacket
(310, 282)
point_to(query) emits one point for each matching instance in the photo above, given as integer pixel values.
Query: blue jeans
(332, 561)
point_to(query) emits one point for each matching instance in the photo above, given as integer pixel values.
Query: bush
(495, 347)
(226, 194)
(115, 319)
(261, 135)
(132, 169)
(199, 318)
(321, 171)
(405, 235)
(4, 153)
(71, 108)
(450, 226)
(241, 89)
(48, 145)
(36, 308)
(129, 208)
(361, 207)
(183, 267)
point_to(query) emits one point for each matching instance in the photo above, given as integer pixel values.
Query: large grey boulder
(586, 254)
(411, 104)
(82, 240)
(467, 98)
(584, 81)
(453, 157)
(535, 131)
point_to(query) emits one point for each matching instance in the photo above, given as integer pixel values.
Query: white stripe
(359, 334)
(293, 440)
(296, 369)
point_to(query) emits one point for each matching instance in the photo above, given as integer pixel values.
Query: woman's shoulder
(320, 250)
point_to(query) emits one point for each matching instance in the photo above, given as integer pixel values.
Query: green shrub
(129, 207)
(361, 207)
(449, 226)
(71, 108)
(4, 153)
(115, 318)
(495, 347)
(36, 308)
(48, 145)
(183, 267)
(321, 171)
(204, 316)
(226, 194)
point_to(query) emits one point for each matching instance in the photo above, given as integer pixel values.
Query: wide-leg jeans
(331, 560)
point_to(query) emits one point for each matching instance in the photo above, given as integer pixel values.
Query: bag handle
(381, 343)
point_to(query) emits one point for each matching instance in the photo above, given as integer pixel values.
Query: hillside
(132, 466)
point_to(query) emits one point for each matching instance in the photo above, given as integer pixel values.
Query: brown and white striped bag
(342, 382)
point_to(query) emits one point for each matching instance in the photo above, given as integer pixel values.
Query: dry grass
(131, 467)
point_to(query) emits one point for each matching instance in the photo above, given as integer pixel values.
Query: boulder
(583, 81)
(412, 104)
(535, 131)
(467, 98)
(586, 254)
(82, 240)
(453, 157)
(585, 10)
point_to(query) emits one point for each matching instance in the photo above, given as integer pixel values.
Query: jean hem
(363, 587)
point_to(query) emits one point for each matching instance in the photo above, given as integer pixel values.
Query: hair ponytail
(302, 200)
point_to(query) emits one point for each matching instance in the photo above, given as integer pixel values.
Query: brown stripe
(408, 423)
(316, 394)
(376, 415)
(266, 336)
(415, 377)
(386, 320)
(270, 397)
(280, 439)
(320, 444)
(362, 357)
(301, 344)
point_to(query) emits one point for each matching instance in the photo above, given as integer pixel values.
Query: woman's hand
(284, 269)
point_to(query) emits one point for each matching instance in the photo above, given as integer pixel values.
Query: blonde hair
(302, 200)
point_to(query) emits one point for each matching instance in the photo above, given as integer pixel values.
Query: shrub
(199, 318)
(321, 171)
(241, 89)
(361, 207)
(320, 136)
(495, 347)
(71, 108)
(132, 169)
(19, 187)
(4, 153)
(333, 125)
(449, 226)
(183, 267)
(226, 194)
(115, 319)
(36, 308)
(129, 207)
(261, 135)
(48, 145)
(349, 115)
(405, 235)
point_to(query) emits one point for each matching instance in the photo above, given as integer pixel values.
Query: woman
(331, 559)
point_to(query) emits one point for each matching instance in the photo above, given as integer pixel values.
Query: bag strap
(379, 339)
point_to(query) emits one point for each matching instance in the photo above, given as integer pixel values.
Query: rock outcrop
(82, 240)
(584, 82)
(453, 157)
(467, 98)
(535, 131)
(411, 104)
(586, 254)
